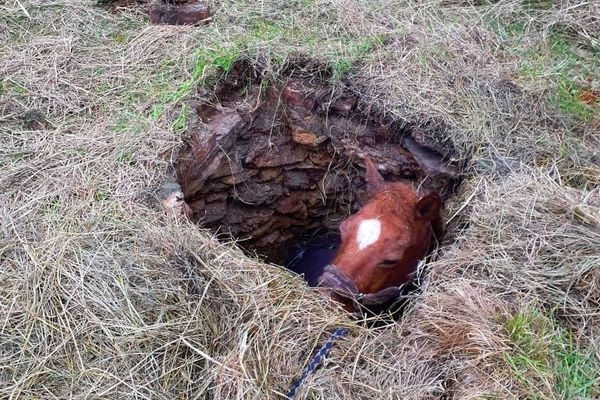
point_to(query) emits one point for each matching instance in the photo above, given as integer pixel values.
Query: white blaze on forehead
(368, 233)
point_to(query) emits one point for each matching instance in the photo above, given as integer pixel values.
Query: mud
(178, 12)
(268, 162)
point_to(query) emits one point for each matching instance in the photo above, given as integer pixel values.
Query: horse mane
(393, 199)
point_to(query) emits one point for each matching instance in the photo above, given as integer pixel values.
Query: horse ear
(375, 181)
(428, 207)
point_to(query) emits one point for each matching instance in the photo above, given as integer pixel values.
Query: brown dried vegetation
(104, 295)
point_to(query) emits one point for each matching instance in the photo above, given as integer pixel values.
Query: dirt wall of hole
(268, 162)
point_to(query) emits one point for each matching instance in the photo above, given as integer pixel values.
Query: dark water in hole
(309, 258)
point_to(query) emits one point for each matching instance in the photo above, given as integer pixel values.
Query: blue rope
(316, 360)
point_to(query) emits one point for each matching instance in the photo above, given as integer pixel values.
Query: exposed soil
(267, 163)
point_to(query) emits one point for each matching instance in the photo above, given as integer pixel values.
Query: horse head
(382, 244)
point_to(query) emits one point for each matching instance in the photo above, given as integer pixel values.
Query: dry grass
(102, 295)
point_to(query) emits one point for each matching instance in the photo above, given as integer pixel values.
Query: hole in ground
(276, 164)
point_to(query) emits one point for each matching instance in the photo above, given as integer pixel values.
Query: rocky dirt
(269, 165)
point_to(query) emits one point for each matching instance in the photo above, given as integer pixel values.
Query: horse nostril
(327, 277)
(387, 263)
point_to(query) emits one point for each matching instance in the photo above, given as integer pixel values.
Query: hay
(104, 295)
(541, 240)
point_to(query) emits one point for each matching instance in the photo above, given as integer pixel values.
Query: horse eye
(388, 263)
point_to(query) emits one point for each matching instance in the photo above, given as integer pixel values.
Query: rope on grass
(316, 360)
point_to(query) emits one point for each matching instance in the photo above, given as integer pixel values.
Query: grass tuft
(545, 359)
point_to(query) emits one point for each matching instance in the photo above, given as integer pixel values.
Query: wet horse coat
(381, 245)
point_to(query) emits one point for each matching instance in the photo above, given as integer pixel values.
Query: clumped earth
(104, 294)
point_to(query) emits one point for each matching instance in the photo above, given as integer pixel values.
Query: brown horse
(382, 244)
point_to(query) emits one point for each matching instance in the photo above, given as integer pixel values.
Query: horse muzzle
(343, 289)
